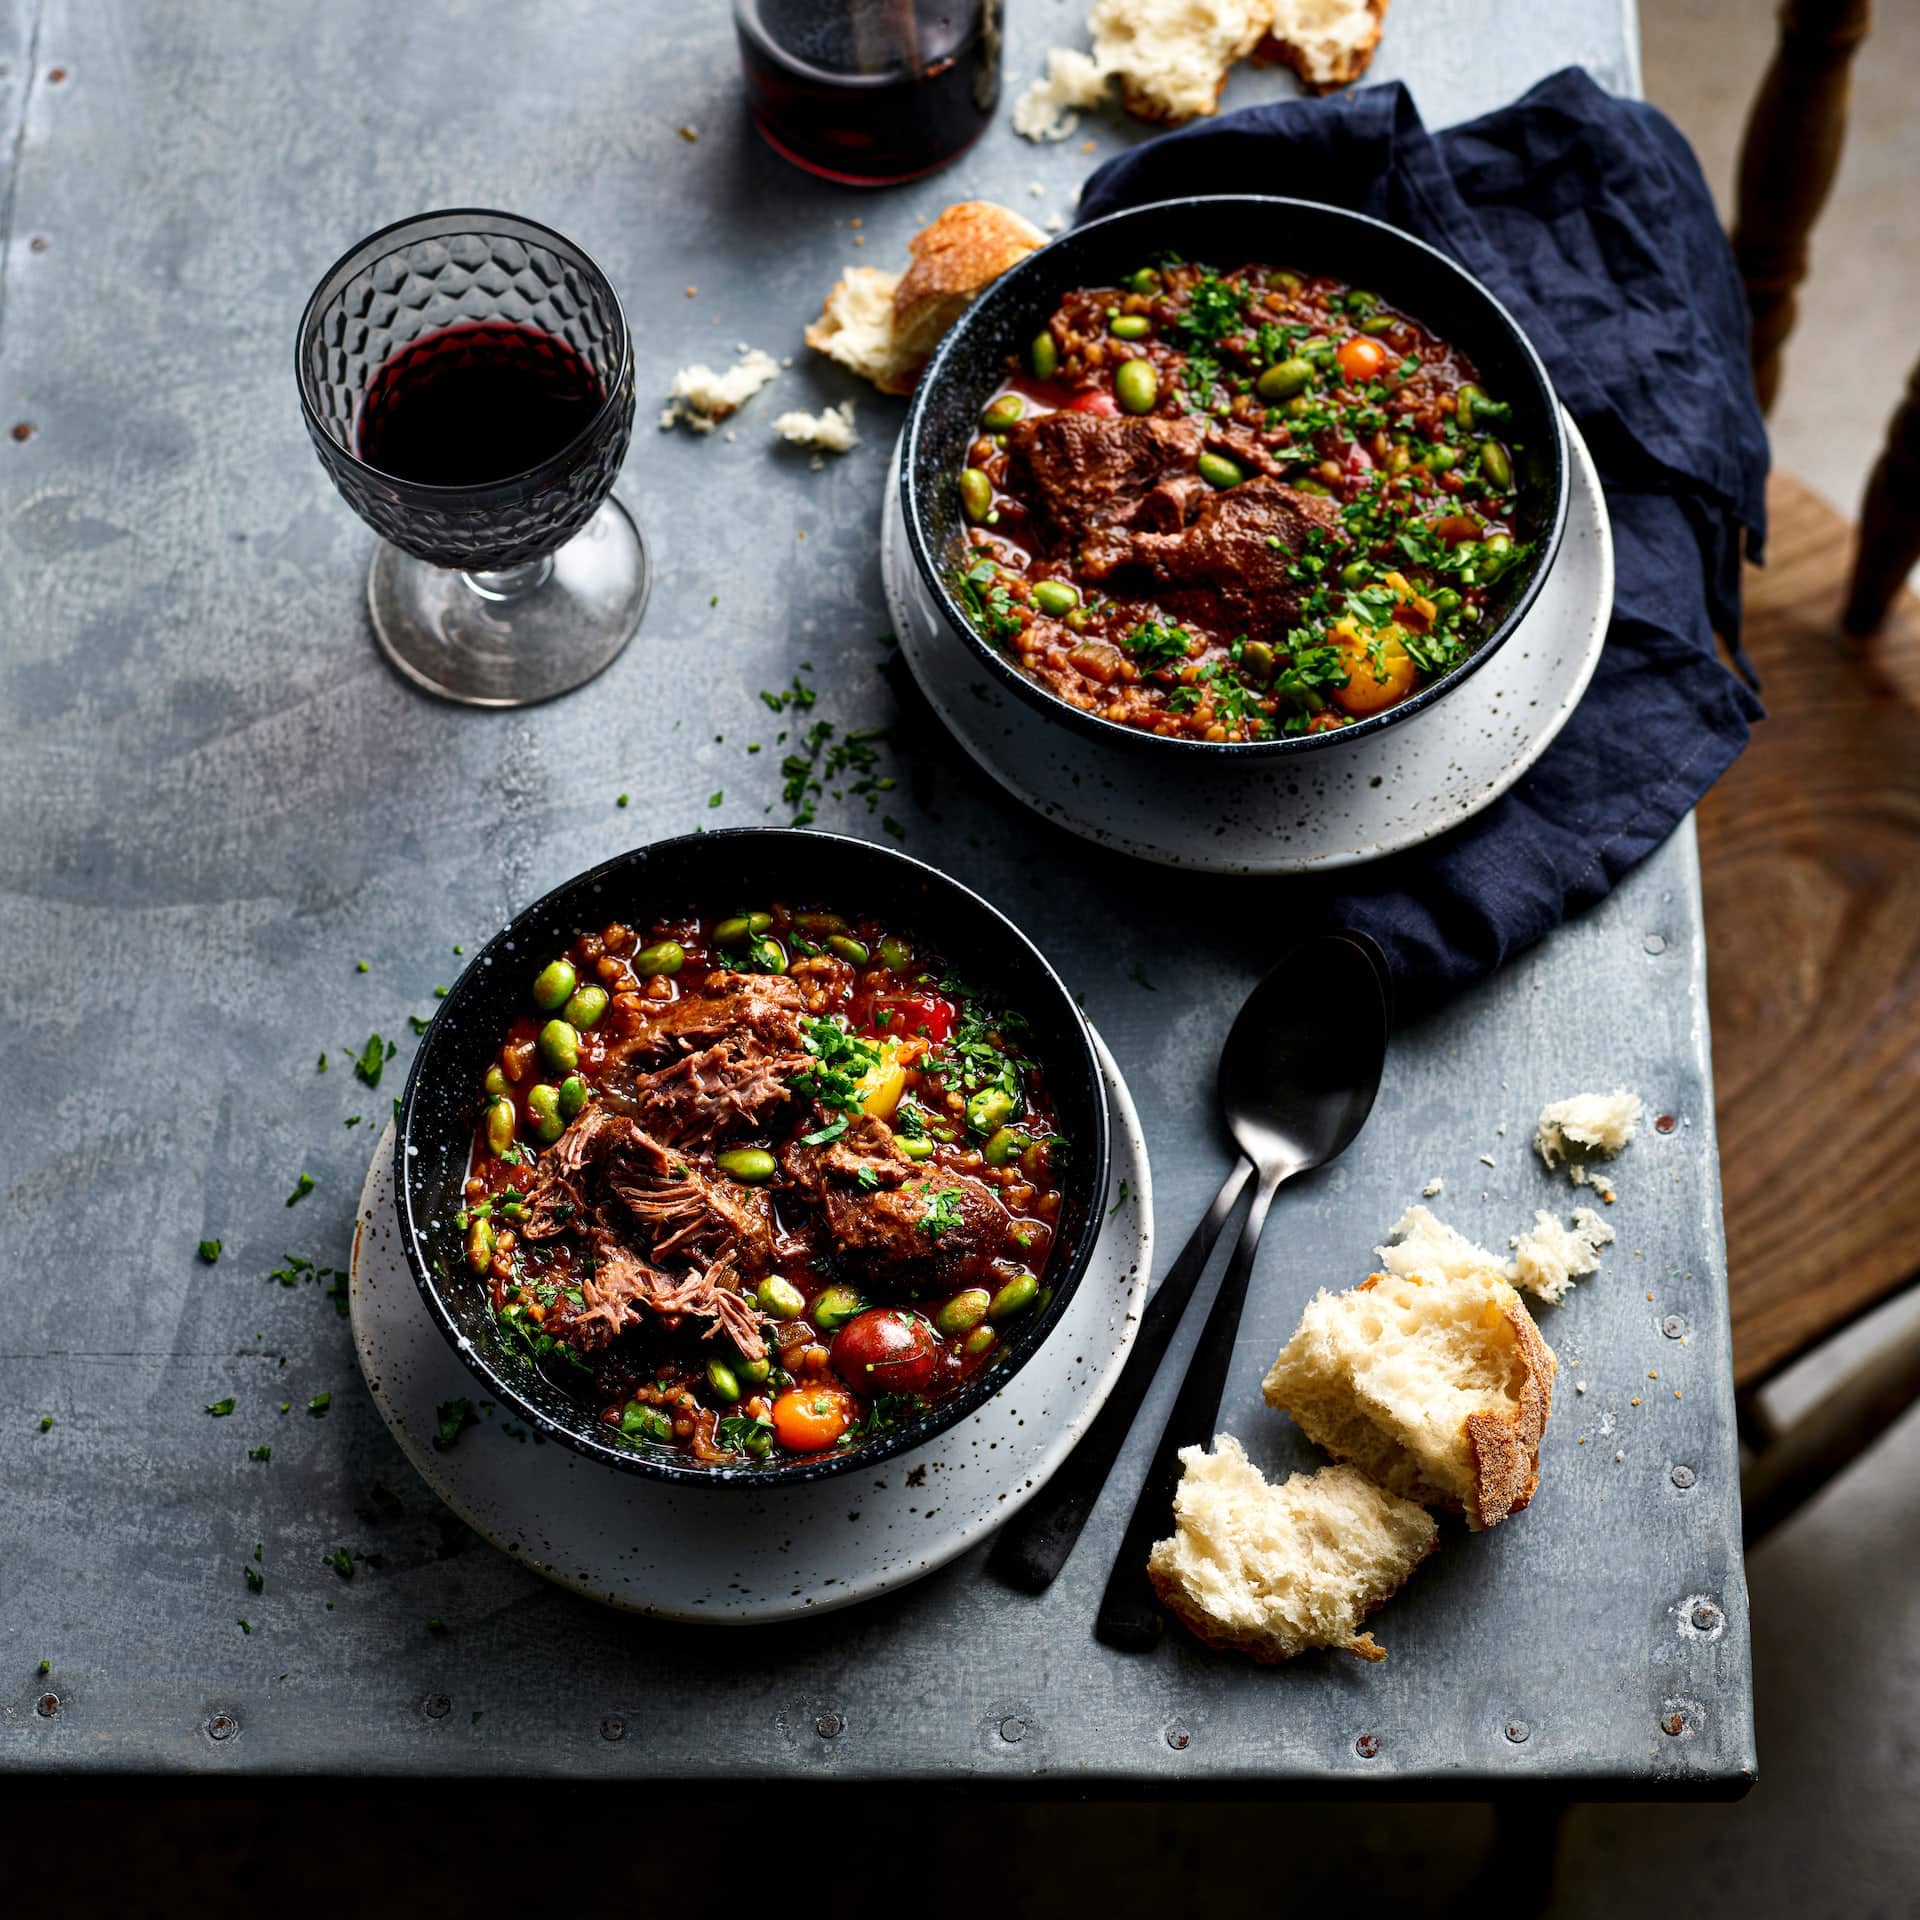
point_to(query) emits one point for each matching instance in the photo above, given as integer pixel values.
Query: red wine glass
(467, 379)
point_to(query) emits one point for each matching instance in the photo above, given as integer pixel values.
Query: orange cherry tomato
(810, 1419)
(1374, 685)
(1362, 359)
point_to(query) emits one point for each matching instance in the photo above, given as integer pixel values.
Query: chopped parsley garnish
(262, 1453)
(340, 1560)
(319, 1404)
(301, 1188)
(840, 1057)
(453, 1418)
(715, 798)
(256, 1580)
(1138, 975)
(1155, 645)
(742, 1433)
(942, 1214)
(210, 1251)
(372, 1060)
(221, 1408)
(988, 604)
(831, 1131)
(46, 1423)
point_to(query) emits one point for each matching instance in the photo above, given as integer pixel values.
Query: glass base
(513, 639)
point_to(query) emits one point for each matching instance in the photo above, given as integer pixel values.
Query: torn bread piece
(1275, 1571)
(1430, 1376)
(829, 431)
(856, 328)
(1328, 43)
(703, 398)
(1549, 1258)
(955, 260)
(1588, 1123)
(1172, 57)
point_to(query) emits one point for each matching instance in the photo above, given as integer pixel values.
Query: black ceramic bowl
(441, 1106)
(1225, 230)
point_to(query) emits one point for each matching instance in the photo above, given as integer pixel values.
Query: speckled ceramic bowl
(1227, 230)
(441, 1106)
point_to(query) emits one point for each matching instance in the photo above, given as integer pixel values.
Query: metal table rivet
(1178, 1738)
(223, 1726)
(437, 1706)
(1517, 1731)
(1655, 943)
(1683, 1477)
(47, 1705)
(1666, 1123)
(1674, 1724)
(1673, 1327)
(613, 1728)
(1367, 1746)
(1013, 1729)
(829, 1726)
(1706, 1616)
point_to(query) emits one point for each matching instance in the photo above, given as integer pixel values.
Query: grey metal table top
(215, 801)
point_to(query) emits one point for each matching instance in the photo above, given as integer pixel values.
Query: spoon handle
(1129, 1616)
(1036, 1543)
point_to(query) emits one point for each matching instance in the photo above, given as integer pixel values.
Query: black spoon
(1297, 1081)
(1038, 1541)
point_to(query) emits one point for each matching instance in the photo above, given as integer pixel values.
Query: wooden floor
(1810, 849)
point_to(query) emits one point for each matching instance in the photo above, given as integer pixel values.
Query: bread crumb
(1434, 1188)
(1579, 1386)
(1635, 1401)
(703, 398)
(1619, 1456)
(689, 134)
(1050, 109)
(1588, 1123)
(829, 431)
(1549, 1258)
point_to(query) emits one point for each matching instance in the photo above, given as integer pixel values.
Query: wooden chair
(1810, 851)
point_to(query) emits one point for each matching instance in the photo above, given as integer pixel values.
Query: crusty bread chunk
(856, 328)
(1328, 43)
(1276, 1571)
(885, 326)
(1430, 1377)
(955, 260)
(1172, 56)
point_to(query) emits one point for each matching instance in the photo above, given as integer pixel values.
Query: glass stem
(511, 582)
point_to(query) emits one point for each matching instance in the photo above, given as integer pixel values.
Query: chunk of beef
(1230, 567)
(735, 1083)
(1088, 471)
(768, 1005)
(687, 1213)
(864, 1156)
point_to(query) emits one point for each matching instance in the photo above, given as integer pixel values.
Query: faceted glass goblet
(486, 360)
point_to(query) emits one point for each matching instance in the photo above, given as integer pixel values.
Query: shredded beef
(688, 1213)
(768, 1005)
(734, 1084)
(1088, 471)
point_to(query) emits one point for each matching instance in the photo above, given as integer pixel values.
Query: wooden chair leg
(1788, 157)
(1889, 520)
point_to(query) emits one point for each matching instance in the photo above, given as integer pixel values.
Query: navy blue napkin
(1588, 217)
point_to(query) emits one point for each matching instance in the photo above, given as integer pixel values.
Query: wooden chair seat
(1810, 856)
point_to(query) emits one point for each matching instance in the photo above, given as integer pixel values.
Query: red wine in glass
(476, 403)
(869, 92)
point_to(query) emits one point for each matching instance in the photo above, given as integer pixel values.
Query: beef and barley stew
(1237, 506)
(760, 1185)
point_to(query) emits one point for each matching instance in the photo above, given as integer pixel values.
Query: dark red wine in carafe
(472, 404)
(870, 91)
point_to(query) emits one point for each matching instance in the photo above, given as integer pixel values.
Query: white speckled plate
(740, 1557)
(1332, 808)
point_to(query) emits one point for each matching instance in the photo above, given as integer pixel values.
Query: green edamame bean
(720, 1379)
(751, 1166)
(852, 951)
(1285, 280)
(1497, 543)
(552, 985)
(1378, 323)
(559, 1047)
(543, 1113)
(1055, 597)
(1317, 487)
(916, 1146)
(1256, 662)
(664, 956)
(640, 1422)
(585, 1007)
(731, 931)
(895, 953)
(834, 1306)
(1003, 413)
(1136, 386)
(1142, 280)
(754, 1372)
(1002, 1145)
(1130, 326)
(1015, 1297)
(963, 1312)
(980, 1341)
(779, 1299)
(768, 956)
(1464, 403)
(480, 1246)
(1044, 356)
(1355, 573)
(1441, 459)
(1218, 471)
(497, 1083)
(500, 1126)
(574, 1094)
(1445, 602)
(989, 1110)
(976, 494)
(1495, 464)
(1284, 379)
(817, 922)
(759, 922)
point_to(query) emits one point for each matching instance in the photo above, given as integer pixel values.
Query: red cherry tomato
(906, 1016)
(1094, 400)
(885, 1350)
(1362, 359)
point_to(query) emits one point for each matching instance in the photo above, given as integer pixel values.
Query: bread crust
(1506, 1447)
(1274, 50)
(964, 251)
